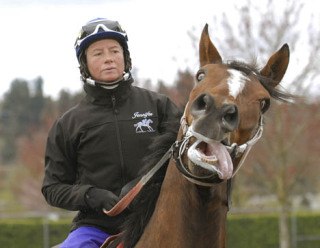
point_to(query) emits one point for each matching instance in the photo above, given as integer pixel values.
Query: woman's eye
(97, 54)
(200, 76)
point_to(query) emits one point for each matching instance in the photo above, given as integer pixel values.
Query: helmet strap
(109, 85)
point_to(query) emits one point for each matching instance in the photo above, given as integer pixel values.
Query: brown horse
(221, 122)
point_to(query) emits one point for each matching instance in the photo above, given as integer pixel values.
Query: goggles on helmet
(100, 29)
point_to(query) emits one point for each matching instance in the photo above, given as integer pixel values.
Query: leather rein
(176, 151)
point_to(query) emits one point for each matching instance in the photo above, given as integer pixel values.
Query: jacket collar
(101, 96)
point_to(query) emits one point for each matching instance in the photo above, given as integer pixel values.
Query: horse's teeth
(212, 160)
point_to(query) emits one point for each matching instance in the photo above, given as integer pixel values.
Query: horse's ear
(277, 65)
(207, 52)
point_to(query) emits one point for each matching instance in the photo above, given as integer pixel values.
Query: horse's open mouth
(212, 157)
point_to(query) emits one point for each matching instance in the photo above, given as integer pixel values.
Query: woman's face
(105, 60)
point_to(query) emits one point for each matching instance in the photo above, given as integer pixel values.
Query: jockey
(93, 150)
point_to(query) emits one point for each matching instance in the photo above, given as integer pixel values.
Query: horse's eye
(264, 105)
(200, 75)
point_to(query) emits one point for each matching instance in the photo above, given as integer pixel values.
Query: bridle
(235, 151)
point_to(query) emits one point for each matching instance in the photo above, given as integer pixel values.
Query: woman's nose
(108, 58)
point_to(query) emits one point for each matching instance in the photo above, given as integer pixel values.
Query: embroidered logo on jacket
(143, 125)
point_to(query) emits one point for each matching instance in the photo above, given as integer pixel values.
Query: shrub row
(262, 231)
(259, 231)
(31, 233)
(243, 231)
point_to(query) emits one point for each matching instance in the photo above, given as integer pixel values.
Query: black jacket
(101, 142)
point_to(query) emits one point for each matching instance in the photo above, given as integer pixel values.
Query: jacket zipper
(115, 113)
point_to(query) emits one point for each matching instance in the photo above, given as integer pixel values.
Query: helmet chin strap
(108, 85)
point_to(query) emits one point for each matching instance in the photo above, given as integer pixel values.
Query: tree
(183, 86)
(14, 117)
(179, 91)
(21, 109)
(37, 102)
(67, 100)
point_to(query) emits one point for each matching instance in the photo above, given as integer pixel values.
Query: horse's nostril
(230, 117)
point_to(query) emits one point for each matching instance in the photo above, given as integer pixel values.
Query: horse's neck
(186, 216)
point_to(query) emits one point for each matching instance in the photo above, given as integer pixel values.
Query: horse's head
(223, 117)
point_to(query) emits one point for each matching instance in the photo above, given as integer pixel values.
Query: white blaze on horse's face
(236, 82)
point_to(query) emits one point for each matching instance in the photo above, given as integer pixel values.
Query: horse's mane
(144, 204)
(267, 83)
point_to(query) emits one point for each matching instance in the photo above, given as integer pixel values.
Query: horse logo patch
(144, 126)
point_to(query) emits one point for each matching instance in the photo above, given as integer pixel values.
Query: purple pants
(85, 237)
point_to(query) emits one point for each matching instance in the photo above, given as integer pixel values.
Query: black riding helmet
(98, 29)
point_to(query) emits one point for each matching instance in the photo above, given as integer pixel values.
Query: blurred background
(276, 192)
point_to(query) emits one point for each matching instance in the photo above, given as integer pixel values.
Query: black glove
(99, 199)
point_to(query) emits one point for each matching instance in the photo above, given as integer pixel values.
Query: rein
(128, 198)
(176, 151)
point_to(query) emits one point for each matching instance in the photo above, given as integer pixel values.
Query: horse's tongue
(224, 165)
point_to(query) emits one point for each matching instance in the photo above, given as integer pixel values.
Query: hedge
(30, 232)
(308, 226)
(256, 231)
(243, 231)
(262, 231)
